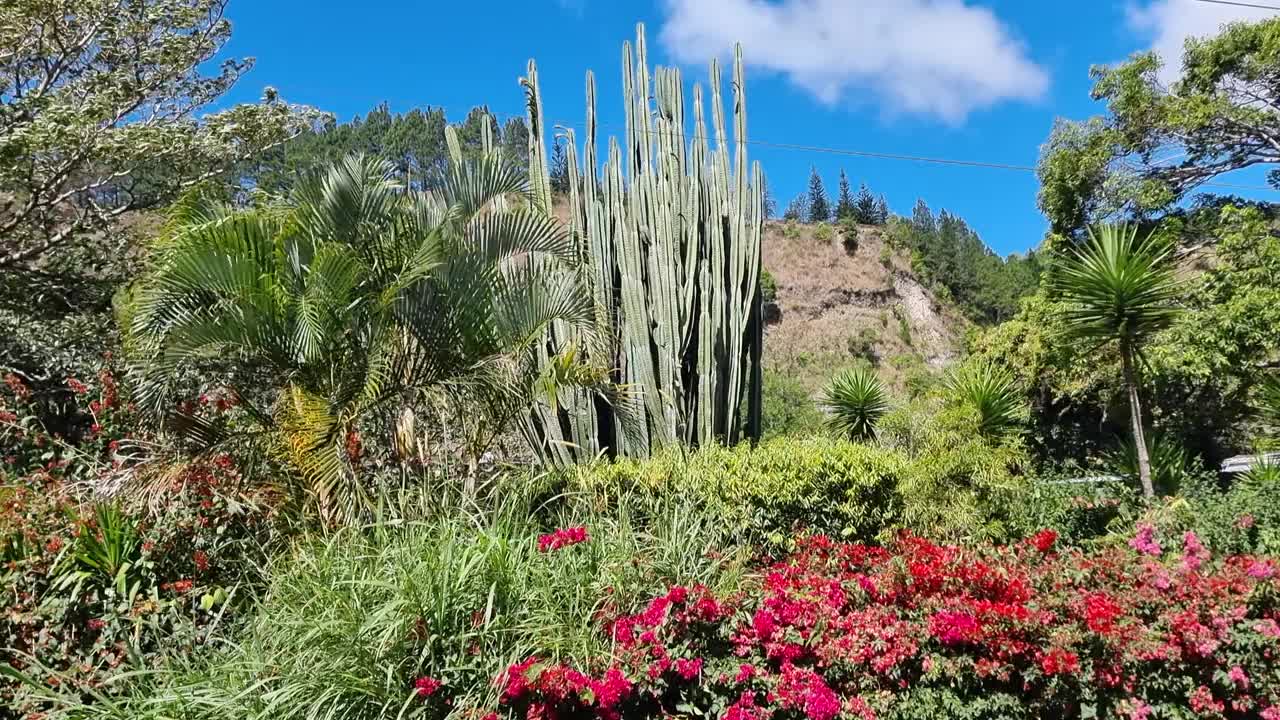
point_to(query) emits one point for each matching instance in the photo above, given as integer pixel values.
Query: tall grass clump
(353, 618)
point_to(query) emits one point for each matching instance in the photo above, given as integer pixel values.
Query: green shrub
(863, 345)
(787, 408)
(791, 230)
(768, 287)
(904, 325)
(849, 236)
(823, 233)
(811, 485)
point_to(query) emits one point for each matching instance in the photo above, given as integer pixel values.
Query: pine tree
(844, 206)
(882, 211)
(798, 209)
(770, 204)
(559, 168)
(819, 203)
(864, 207)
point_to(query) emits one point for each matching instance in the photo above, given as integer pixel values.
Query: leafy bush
(919, 630)
(787, 408)
(768, 287)
(823, 232)
(95, 589)
(768, 493)
(863, 345)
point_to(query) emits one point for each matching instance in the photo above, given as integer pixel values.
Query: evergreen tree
(798, 208)
(882, 211)
(559, 170)
(864, 207)
(770, 204)
(844, 206)
(819, 203)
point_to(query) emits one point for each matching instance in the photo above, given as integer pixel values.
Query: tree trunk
(1135, 415)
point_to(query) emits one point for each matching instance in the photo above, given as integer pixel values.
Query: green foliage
(866, 209)
(353, 297)
(788, 408)
(766, 494)
(849, 236)
(791, 230)
(844, 203)
(823, 233)
(818, 204)
(991, 392)
(904, 325)
(957, 483)
(768, 287)
(863, 345)
(951, 258)
(1171, 467)
(72, 127)
(1117, 164)
(412, 142)
(797, 210)
(856, 400)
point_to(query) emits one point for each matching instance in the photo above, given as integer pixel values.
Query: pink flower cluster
(562, 538)
(849, 631)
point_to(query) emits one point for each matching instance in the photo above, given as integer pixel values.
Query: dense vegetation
(405, 419)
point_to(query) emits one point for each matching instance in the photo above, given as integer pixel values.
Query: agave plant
(1120, 288)
(856, 401)
(992, 393)
(355, 295)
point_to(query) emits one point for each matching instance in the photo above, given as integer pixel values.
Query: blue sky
(947, 78)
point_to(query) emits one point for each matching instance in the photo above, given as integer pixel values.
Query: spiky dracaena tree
(354, 296)
(1120, 288)
(856, 400)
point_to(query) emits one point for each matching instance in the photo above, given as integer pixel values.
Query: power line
(1238, 3)
(897, 156)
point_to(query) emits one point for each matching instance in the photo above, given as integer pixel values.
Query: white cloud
(1170, 22)
(940, 58)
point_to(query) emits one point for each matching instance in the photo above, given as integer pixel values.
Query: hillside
(833, 307)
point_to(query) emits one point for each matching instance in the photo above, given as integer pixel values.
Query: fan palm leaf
(354, 294)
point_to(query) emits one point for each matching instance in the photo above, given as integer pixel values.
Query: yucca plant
(856, 401)
(1120, 288)
(352, 296)
(991, 392)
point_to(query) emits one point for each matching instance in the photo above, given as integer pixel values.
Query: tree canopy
(1159, 143)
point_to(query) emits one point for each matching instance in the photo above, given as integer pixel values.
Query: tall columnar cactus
(669, 233)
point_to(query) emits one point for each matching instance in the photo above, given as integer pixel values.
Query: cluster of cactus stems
(669, 233)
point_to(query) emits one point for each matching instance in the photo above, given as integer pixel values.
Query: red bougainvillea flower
(426, 686)
(201, 559)
(954, 628)
(562, 538)
(1059, 662)
(688, 668)
(1044, 540)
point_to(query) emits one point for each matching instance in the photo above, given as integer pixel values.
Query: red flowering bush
(562, 538)
(919, 629)
(90, 587)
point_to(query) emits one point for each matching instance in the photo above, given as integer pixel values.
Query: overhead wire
(990, 165)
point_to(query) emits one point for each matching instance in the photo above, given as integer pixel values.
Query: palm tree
(856, 400)
(1120, 288)
(353, 296)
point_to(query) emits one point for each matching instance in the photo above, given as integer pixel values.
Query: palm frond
(1118, 285)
